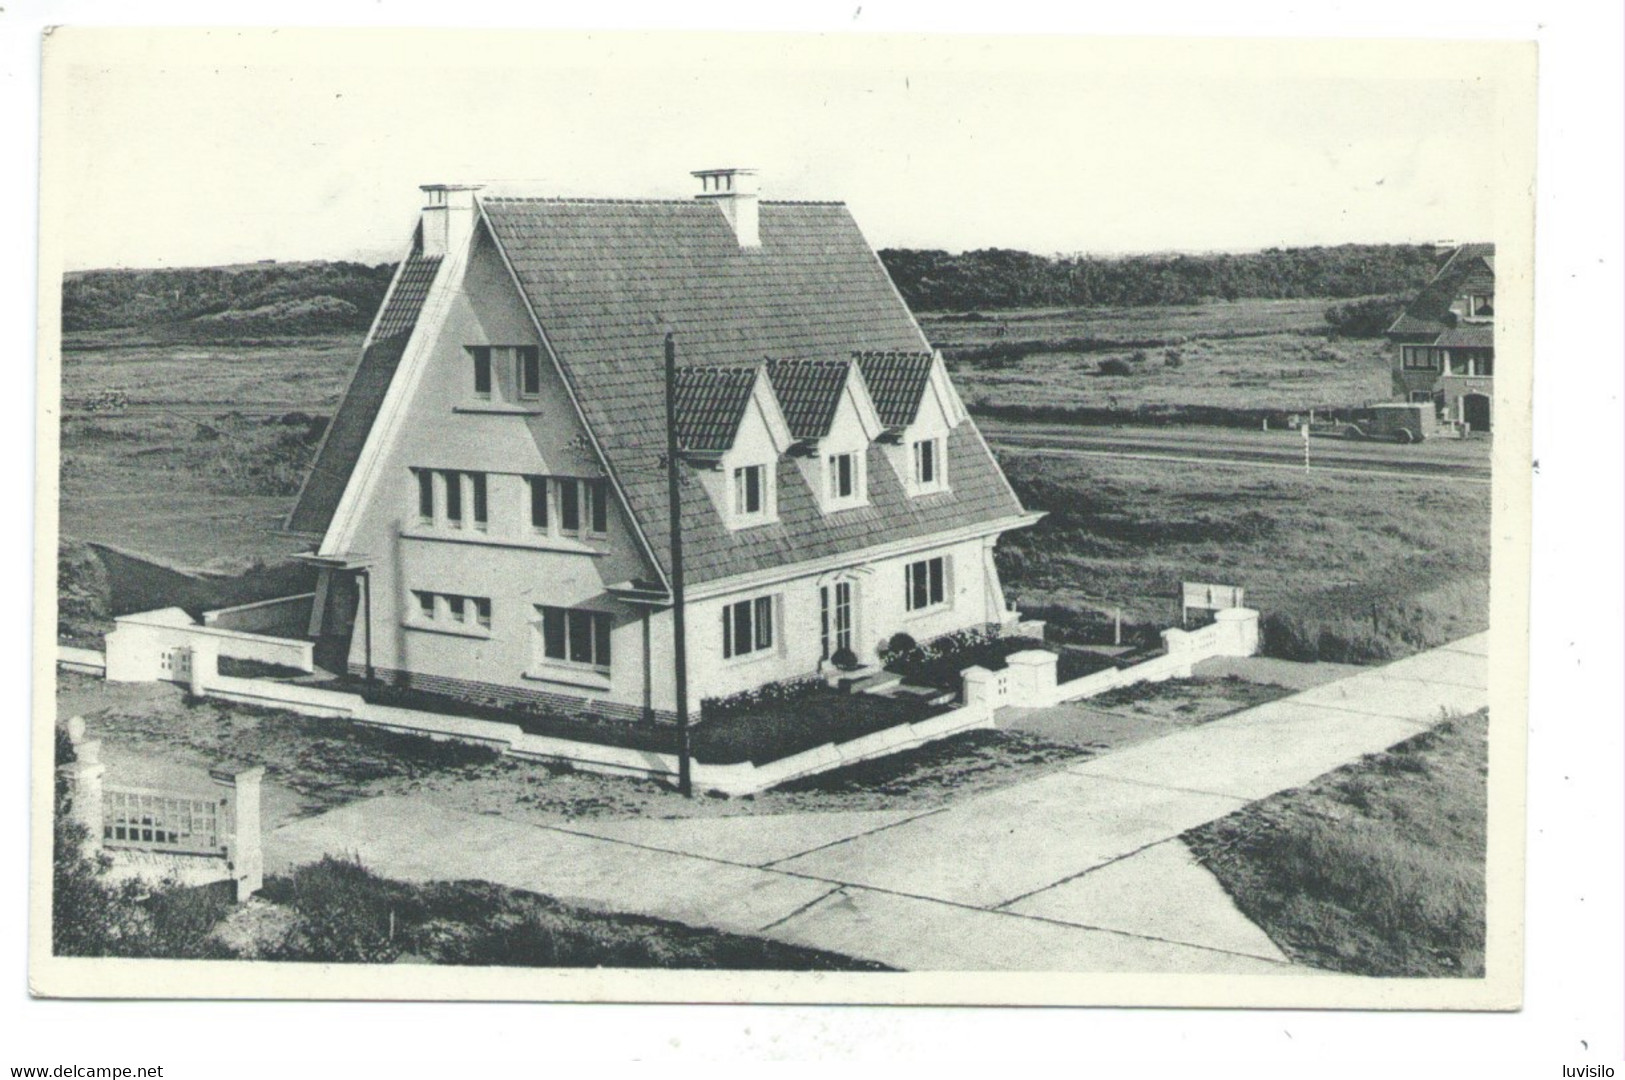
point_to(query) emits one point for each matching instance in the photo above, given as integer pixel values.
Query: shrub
(844, 658)
(899, 643)
(1173, 358)
(1367, 317)
(1113, 365)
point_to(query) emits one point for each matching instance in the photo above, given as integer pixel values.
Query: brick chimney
(448, 217)
(734, 190)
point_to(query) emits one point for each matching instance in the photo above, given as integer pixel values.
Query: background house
(1444, 340)
(491, 496)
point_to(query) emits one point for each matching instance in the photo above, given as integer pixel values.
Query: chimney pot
(448, 217)
(734, 191)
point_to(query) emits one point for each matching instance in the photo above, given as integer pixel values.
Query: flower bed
(941, 661)
(781, 719)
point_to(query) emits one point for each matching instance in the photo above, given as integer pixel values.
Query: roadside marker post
(1305, 429)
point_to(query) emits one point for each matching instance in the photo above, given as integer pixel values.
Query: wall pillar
(83, 777)
(980, 688)
(1238, 631)
(205, 665)
(1032, 677)
(245, 857)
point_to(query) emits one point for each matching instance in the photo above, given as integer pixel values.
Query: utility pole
(685, 783)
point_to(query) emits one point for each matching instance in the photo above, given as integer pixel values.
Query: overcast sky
(172, 148)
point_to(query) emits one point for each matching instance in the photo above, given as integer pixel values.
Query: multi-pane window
(925, 583)
(750, 490)
(575, 636)
(747, 627)
(568, 506)
(452, 609)
(1420, 357)
(506, 371)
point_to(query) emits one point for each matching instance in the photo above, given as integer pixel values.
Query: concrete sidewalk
(1080, 870)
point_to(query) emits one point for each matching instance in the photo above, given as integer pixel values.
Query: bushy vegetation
(1374, 869)
(204, 302)
(1368, 317)
(933, 280)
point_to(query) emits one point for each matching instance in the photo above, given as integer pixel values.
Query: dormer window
(928, 471)
(845, 478)
(1480, 306)
(750, 491)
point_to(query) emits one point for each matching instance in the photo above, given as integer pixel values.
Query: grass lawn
(1374, 869)
(1345, 568)
(200, 468)
(1243, 354)
(340, 912)
(315, 765)
(336, 911)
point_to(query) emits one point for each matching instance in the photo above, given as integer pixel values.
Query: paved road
(1467, 460)
(1078, 870)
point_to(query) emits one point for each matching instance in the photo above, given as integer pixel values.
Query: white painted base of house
(1028, 681)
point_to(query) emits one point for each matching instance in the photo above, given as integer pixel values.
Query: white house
(491, 496)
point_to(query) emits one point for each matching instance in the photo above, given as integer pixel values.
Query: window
(452, 610)
(924, 584)
(1480, 305)
(482, 369)
(568, 506)
(480, 506)
(747, 627)
(842, 476)
(1419, 357)
(454, 499)
(575, 636)
(528, 361)
(425, 495)
(928, 464)
(749, 490)
(538, 502)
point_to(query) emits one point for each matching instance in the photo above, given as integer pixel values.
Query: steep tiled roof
(347, 434)
(808, 392)
(607, 280)
(1468, 335)
(710, 403)
(1470, 266)
(897, 382)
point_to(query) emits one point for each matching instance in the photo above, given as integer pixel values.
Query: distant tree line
(1001, 278)
(288, 296)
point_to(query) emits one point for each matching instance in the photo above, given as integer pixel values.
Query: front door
(1475, 409)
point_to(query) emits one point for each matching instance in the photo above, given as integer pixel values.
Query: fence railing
(195, 828)
(152, 820)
